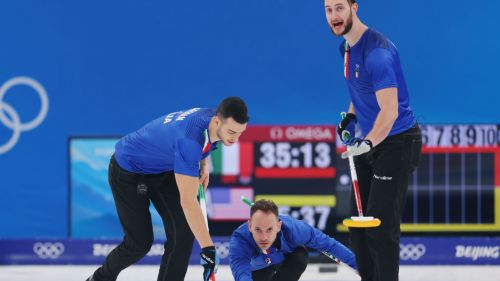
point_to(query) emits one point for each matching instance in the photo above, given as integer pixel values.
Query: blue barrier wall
(412, 251)
(110, 66)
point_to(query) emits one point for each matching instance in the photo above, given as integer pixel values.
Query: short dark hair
(233, 107)
(350, 2)
(264, 205)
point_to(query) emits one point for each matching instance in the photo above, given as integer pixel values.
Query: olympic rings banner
(67, 251)
(413, 251)
(432, 251)
(10, 118)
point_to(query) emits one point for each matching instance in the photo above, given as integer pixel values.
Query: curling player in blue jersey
(388, 147)
(272, 247)
(164, 163)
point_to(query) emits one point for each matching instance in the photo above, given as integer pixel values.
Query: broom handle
(355, 185)
(203, 205)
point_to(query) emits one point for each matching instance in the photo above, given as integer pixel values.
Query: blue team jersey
(173, 142)
(374, 65)
(245, 255)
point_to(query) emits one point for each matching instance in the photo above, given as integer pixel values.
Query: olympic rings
(411, 251)
(48, 250)
(14, 122)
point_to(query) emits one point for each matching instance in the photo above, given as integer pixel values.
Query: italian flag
(231, 162)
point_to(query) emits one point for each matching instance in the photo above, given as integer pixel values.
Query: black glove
(347, 127)
(210, 262)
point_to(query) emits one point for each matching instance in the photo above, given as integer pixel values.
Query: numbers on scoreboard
(316, 216)
(460, 135)
(286, 155)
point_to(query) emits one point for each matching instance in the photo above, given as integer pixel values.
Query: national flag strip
(224, 203)
(232, 161)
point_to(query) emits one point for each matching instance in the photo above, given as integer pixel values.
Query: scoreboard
(456, 187)
(292, 165)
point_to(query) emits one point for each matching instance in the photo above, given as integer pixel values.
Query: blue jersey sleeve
(380, 65)
(240, 254)
(311, 237)
(187, 157)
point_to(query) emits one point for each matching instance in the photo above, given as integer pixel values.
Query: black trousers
(132, 194)
(383, 175)
(289, 270)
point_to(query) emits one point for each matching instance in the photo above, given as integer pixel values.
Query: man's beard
(348, 27)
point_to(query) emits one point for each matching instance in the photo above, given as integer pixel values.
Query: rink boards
(413, 251)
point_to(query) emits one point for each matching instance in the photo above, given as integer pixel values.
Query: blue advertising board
(413, 251)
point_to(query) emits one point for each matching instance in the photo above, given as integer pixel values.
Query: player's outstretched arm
(314, 238)
(188, 190)
(239, 258)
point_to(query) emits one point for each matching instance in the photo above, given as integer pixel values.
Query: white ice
(149, 273)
